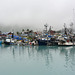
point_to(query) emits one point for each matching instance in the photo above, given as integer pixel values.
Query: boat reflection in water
(42, 59)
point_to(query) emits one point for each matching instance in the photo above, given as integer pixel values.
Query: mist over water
(36, 13)
(16, 27)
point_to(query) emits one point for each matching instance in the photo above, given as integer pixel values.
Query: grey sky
(36, 13)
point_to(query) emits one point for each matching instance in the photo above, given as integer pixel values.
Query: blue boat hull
(0, 42)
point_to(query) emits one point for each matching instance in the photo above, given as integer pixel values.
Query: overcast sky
(36, 13)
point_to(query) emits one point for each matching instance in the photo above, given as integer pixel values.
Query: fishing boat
(9, 41)
(48, 42)
(46, 38)
(43, 42)
(66, 42)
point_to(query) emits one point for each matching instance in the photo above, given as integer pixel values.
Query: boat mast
(71, 26)
(46, 28)
(50, 30)
(73, 19)
(73, 15)
(65, 29)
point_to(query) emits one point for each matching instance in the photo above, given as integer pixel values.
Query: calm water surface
(37, 60)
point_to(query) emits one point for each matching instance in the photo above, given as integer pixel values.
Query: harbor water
(37, 60)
